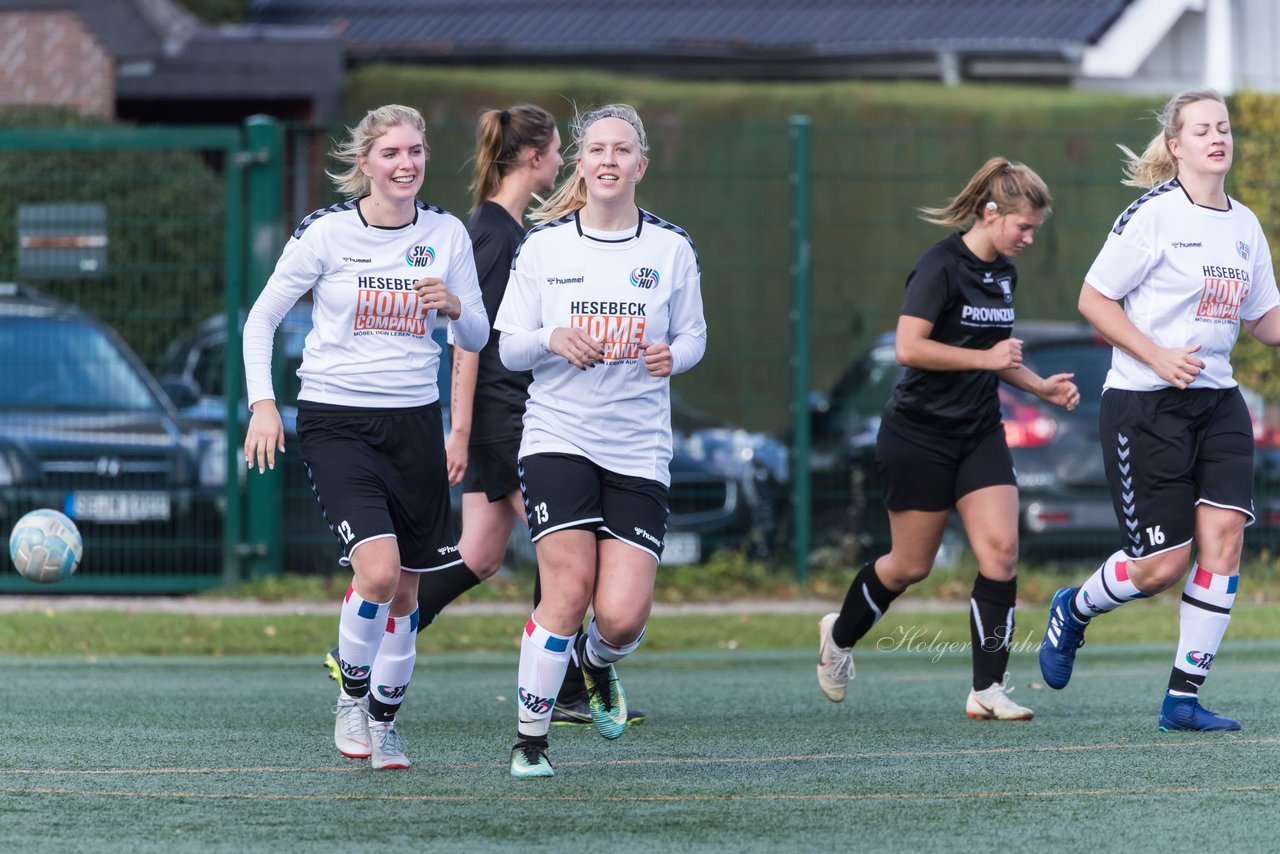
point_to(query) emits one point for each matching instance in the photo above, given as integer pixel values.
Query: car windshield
(66, 364)
(1089, 361)
(862, 392)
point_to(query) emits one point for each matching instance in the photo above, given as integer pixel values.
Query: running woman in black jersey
(379, 267)
(941, 444)
(1183, 266)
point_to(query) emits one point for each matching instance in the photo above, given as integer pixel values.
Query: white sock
(1203, 617)
(393, 668)
(361, 625)
(1107, 589)
(544, 658)
(601, 653)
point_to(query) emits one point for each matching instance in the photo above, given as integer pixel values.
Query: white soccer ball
(45, 546)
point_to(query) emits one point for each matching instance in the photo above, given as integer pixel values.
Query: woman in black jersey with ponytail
(517, 154)
(941, 443)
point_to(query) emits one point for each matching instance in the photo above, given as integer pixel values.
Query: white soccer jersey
(370, 344)
(623, 289)
(1188, 275)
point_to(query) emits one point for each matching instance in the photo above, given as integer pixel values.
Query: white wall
(1179, 60)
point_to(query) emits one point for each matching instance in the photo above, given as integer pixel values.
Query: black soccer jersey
(970, 303)
(498, 405)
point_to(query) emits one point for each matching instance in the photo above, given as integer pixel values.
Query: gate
(124, 246)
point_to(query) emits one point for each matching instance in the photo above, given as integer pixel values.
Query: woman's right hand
(580, 349)
(1177, 365)
(265, 436)
(455, 454)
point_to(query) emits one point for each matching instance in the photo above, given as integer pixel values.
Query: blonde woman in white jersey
(603, 306)
(1182, 268)
(379, 268)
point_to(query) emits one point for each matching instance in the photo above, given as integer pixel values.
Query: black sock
(439, 588)
(866, 602)
(380, 711)
(573, 686)
(355, 688)
(991, 629)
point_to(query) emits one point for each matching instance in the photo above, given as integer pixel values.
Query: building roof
(163, 54)
(642, 32)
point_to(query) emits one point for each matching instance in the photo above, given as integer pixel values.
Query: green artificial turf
(740, 753)
(912, 625)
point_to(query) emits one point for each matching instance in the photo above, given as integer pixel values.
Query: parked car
(86, 429)
(714, 500)
(1065, 506)
(192, 373)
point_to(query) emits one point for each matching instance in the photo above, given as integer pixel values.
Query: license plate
(681, 548)
(119, 506)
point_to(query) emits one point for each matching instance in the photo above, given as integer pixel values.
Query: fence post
(800, 270)
(232, 372)
(263, 200)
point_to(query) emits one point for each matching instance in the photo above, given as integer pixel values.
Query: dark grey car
(86, 429)
(1065, 508)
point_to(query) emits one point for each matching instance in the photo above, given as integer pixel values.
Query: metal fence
(805, 230)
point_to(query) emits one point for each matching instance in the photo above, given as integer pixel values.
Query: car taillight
(1266, 437)
(1026, 426)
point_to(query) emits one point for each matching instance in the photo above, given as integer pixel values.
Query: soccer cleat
(1185, 713)
(993, 703)
(331, 664)
(351, 726)
(529, 759)
(577, 711)
(604, 694)
(388, 752)
(835, 663)
(572, 712)
(1063, 636)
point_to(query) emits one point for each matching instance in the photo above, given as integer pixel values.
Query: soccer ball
(45, 546)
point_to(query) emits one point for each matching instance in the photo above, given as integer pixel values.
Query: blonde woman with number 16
(1182, 269)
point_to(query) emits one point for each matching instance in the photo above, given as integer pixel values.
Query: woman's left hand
(657, 359)
(1061, 390)
(433, 294)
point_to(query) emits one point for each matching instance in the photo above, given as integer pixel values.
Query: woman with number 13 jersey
(941, 444)
(603, 306)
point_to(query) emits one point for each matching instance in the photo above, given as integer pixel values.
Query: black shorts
(1167, 451)
(491, 469)
(924, 470)
(379, 473)
(565, 491)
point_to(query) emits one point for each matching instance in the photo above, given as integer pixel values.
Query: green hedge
(1257, 184)
(719, 168)
(165, 213)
